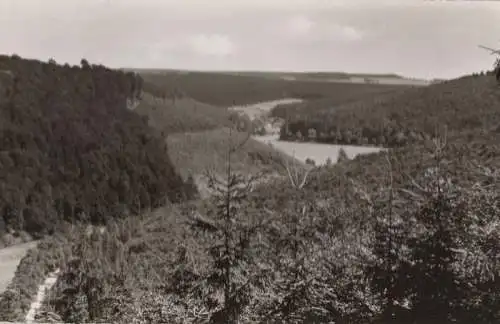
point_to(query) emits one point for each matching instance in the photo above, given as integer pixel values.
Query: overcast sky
(418, 38)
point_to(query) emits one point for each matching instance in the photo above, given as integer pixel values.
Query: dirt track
(9, 259)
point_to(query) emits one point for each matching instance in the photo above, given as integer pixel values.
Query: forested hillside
(228, 90)
(324, 105)
(70, 149)
(409, 236)
(466, 104)
(181, 115)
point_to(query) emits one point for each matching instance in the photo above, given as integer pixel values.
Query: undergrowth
(16, 300)
(412, 247)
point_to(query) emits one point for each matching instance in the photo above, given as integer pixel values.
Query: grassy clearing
(195, 153)
(196, 135)
(318, 152)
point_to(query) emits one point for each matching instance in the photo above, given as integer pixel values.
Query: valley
(329, 198)
(250, 162)
(319, 153)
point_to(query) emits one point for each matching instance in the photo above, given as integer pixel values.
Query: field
(407, 235)
(320, 153)
(195, 153)
(198, 139)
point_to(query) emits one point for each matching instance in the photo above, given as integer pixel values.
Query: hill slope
(226, 90)
(466, 104)
(194, 153)
(180, 115)
(313, 107)
(350, 215)
(69, 148)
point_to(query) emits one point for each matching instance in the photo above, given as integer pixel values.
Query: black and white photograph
(250, 161)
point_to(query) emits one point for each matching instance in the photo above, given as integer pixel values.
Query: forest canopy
(71, 150)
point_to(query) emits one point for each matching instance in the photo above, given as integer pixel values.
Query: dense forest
(323, 105)
(407, 235)
(226, 90)
(392, 120)
(70, 149)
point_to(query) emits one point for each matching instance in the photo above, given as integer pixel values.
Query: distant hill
(378, 78)
(315, 106)
(70, 149)
(466, 104)
(271, 73)
(226, 90)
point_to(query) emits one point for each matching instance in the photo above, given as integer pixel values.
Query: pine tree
(233, 227)
(342, 156)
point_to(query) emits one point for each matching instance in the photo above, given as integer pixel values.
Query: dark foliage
(392, 120)
(227, 90)
(70, 149)
(405, 236)
(330, 103)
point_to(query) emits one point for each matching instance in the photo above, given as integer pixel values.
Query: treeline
(463, 105)
(301, 110)
(226, 90)
(70, 149)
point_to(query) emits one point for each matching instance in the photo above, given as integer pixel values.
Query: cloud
(158, 51)
(346, 33)
(299, 25)
(211, 45)
(411, 37)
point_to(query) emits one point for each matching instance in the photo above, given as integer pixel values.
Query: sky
(414, 38)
